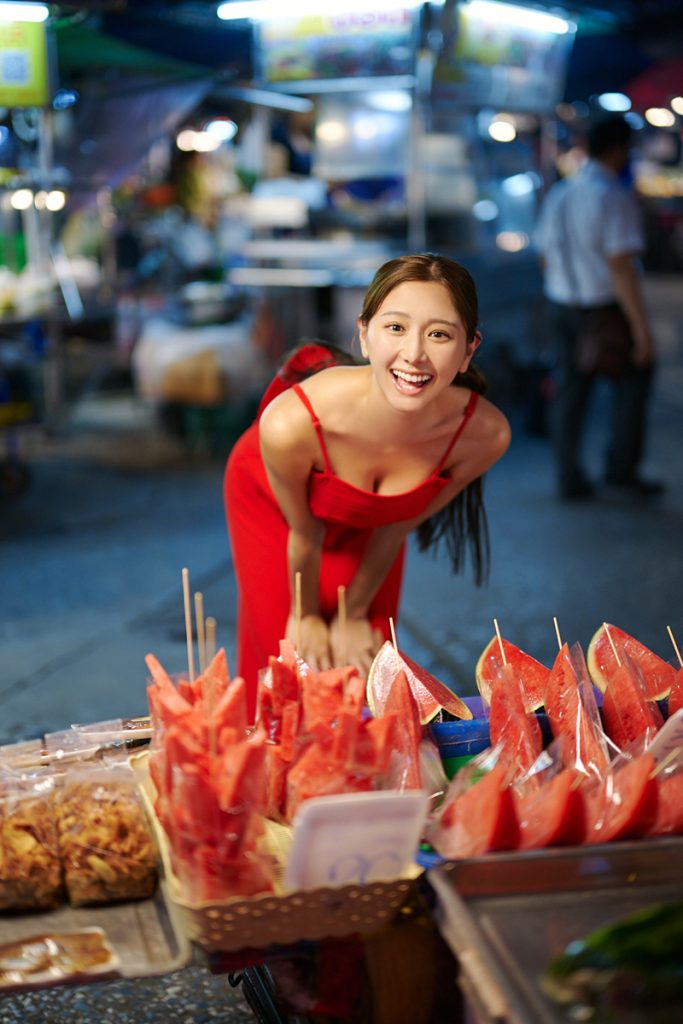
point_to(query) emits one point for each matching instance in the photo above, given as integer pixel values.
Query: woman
(337, 471)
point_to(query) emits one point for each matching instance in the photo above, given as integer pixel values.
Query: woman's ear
(362, 335)
(472, 347)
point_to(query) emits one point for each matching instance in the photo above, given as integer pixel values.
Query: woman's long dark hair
(462, 525)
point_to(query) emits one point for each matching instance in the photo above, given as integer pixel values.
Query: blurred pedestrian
(589, 237)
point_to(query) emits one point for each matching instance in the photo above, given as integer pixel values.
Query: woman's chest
(385, 469)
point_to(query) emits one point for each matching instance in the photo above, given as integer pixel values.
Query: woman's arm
(289, 456)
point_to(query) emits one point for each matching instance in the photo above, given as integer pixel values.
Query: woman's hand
(356, 645)
(313, 638)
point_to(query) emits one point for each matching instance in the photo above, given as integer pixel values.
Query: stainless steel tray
(505, 916)
(144, 936)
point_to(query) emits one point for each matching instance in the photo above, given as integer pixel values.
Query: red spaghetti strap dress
(258, 535)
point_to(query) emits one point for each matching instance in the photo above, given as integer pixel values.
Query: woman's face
(416, 343)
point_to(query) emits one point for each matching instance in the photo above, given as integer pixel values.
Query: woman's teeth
(417, 380)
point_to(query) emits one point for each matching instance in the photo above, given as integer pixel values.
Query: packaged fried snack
(30, 869)
(107, 849)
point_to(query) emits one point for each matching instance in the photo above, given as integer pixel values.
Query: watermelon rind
(532, 673)
(658, 674)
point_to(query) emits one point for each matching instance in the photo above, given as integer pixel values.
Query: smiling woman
(343, 465)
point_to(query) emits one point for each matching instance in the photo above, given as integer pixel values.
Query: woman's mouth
(410, 383)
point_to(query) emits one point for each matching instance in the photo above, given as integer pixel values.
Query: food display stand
(505, 916)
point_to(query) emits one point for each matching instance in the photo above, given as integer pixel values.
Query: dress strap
(316, 423)
(469, 410)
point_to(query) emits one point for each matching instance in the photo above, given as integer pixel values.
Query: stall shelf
(506, 916)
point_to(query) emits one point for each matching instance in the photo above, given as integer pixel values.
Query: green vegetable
(618, 972)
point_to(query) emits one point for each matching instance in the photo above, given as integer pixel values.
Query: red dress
(258, 535)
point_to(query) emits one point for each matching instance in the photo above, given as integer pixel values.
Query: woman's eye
(440, 335)
(394, 327)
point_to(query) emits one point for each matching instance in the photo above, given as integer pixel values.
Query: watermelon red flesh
(405, 762)
(553, 814)
(532, 674)
(658, 674)
(509, 725)
(323, 694)
(440, 693)
(480, 820)
(676, 694)
(624, 805)
(669, 806)
(230, 711)
(627, 713)
(583, 746)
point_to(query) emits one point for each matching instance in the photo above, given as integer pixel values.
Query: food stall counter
(505, 917)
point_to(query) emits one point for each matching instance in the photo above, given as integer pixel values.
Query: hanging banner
(325, 46)
(24, 78)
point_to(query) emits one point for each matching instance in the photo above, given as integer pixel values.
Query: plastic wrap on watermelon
(516, 731)
(478, 813)
(550, 804)
(347, 752)
(631, 718)
(573, 713)
(676, 693)
(669, 820)
(623, 804)
(209, 773)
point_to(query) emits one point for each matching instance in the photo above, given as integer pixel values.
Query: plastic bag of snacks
(107, 849)
(30, 868)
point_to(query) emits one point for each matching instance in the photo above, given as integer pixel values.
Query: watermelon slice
(553, 814)
(572, 714)
(479, 820)
(624, 804)
(429, 692)
(518, 733)
(532, 674)
(657, 673)
(676, 693)
(404, 766)
(627, 713)
(669, 820)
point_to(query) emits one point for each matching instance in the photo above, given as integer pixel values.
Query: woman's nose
(413, 346)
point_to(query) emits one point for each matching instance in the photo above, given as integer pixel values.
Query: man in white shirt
(589, 236)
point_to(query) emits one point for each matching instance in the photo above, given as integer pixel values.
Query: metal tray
(505, 916)
(144, 936)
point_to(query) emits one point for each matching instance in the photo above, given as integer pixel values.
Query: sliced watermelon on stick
(429, 692)
(628, 714)
(532, 674)
(517, 731)
(658, 674)
(572, 712)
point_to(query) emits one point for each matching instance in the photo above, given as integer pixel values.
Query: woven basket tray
(270, 919)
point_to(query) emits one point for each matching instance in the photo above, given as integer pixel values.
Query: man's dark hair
(607, 134)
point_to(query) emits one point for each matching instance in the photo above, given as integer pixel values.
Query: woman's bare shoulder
(490, 426)
(285, 423)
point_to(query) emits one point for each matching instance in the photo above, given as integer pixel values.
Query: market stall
(126, 844)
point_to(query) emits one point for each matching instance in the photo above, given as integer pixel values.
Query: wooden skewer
(671, 756)
(341, 615)
(297, 611)
(393, 634)
(210, 639)
(557, 632)
(673, 641)
(199, 618)
(500, 642)
(611, 643)
(188, 622)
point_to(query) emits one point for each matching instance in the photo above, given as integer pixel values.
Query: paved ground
(91, 564)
